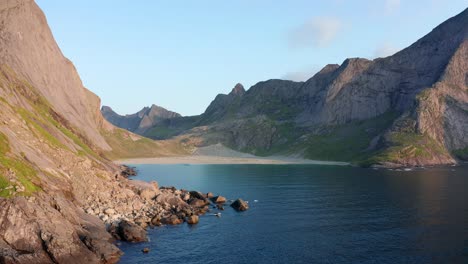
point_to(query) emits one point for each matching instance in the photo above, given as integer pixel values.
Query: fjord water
(315, 214)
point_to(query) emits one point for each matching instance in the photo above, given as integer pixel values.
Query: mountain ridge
(278, 116)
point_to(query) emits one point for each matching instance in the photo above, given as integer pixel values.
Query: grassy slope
(9, 164)
(348, 142)
(125, 146)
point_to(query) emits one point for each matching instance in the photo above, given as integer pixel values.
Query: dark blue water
(315, 214)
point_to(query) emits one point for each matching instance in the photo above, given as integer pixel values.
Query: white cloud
(384, 50)
(318, 32)
(391, 6)
(301, 75)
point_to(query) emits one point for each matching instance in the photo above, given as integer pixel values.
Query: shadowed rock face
(420, 91)
(140, 121)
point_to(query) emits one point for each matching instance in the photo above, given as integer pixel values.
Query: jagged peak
(106, 108)
(238, 90)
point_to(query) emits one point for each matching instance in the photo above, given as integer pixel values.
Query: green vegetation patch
(39, 127)
(408, 145)
(4, 145)
(461, 153)
(123, 146)
(24, 172)
(161, 132)
(348, 142)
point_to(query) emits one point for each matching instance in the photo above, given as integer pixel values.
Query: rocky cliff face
(29, 49)
(141, 121)
(54, 145)
(406, 109)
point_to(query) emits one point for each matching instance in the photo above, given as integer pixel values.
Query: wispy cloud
(317, 32)
(301, 75)
(390, 6)
(385, 49)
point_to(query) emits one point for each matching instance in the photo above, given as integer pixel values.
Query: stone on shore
(218, 199)
(148, 194)
(240, 205)
(156, 221)
(197, 195)
(192, 220)
(171, 220)
(197, 202)
(130, 232)
(209, 195)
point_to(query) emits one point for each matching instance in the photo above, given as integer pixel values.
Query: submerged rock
(240, 205)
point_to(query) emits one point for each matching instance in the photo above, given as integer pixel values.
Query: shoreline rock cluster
(131, 207)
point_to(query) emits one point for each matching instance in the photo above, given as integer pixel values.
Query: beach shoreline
(206, 160)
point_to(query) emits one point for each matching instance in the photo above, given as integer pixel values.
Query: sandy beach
(219, 154)
(202, 159)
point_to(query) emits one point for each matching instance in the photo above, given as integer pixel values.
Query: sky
(180, 54)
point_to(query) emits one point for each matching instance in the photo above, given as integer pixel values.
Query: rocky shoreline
(135, 205)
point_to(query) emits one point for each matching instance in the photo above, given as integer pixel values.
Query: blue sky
(181, 54)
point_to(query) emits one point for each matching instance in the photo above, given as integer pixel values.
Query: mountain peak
(238, 90)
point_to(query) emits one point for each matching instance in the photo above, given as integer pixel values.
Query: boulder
(240, 205)
(197, 202)
(218, 199)
(109, 211)
(197, 195)
(149, 194)
(220, 207)
(185, 196)
(156, 221)
(170, 199)
(155, 184)
(192, 220)
(209, 195)
(171, 220)
(130, 232)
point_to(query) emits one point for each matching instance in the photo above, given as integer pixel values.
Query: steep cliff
(54, 149)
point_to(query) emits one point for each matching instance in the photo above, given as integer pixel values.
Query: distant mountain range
(407, 109)
(141, 121)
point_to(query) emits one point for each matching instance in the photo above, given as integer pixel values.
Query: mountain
(140, 121)
(404, 110)
(54, 151)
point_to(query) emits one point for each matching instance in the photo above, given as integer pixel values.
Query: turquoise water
(315, 214)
